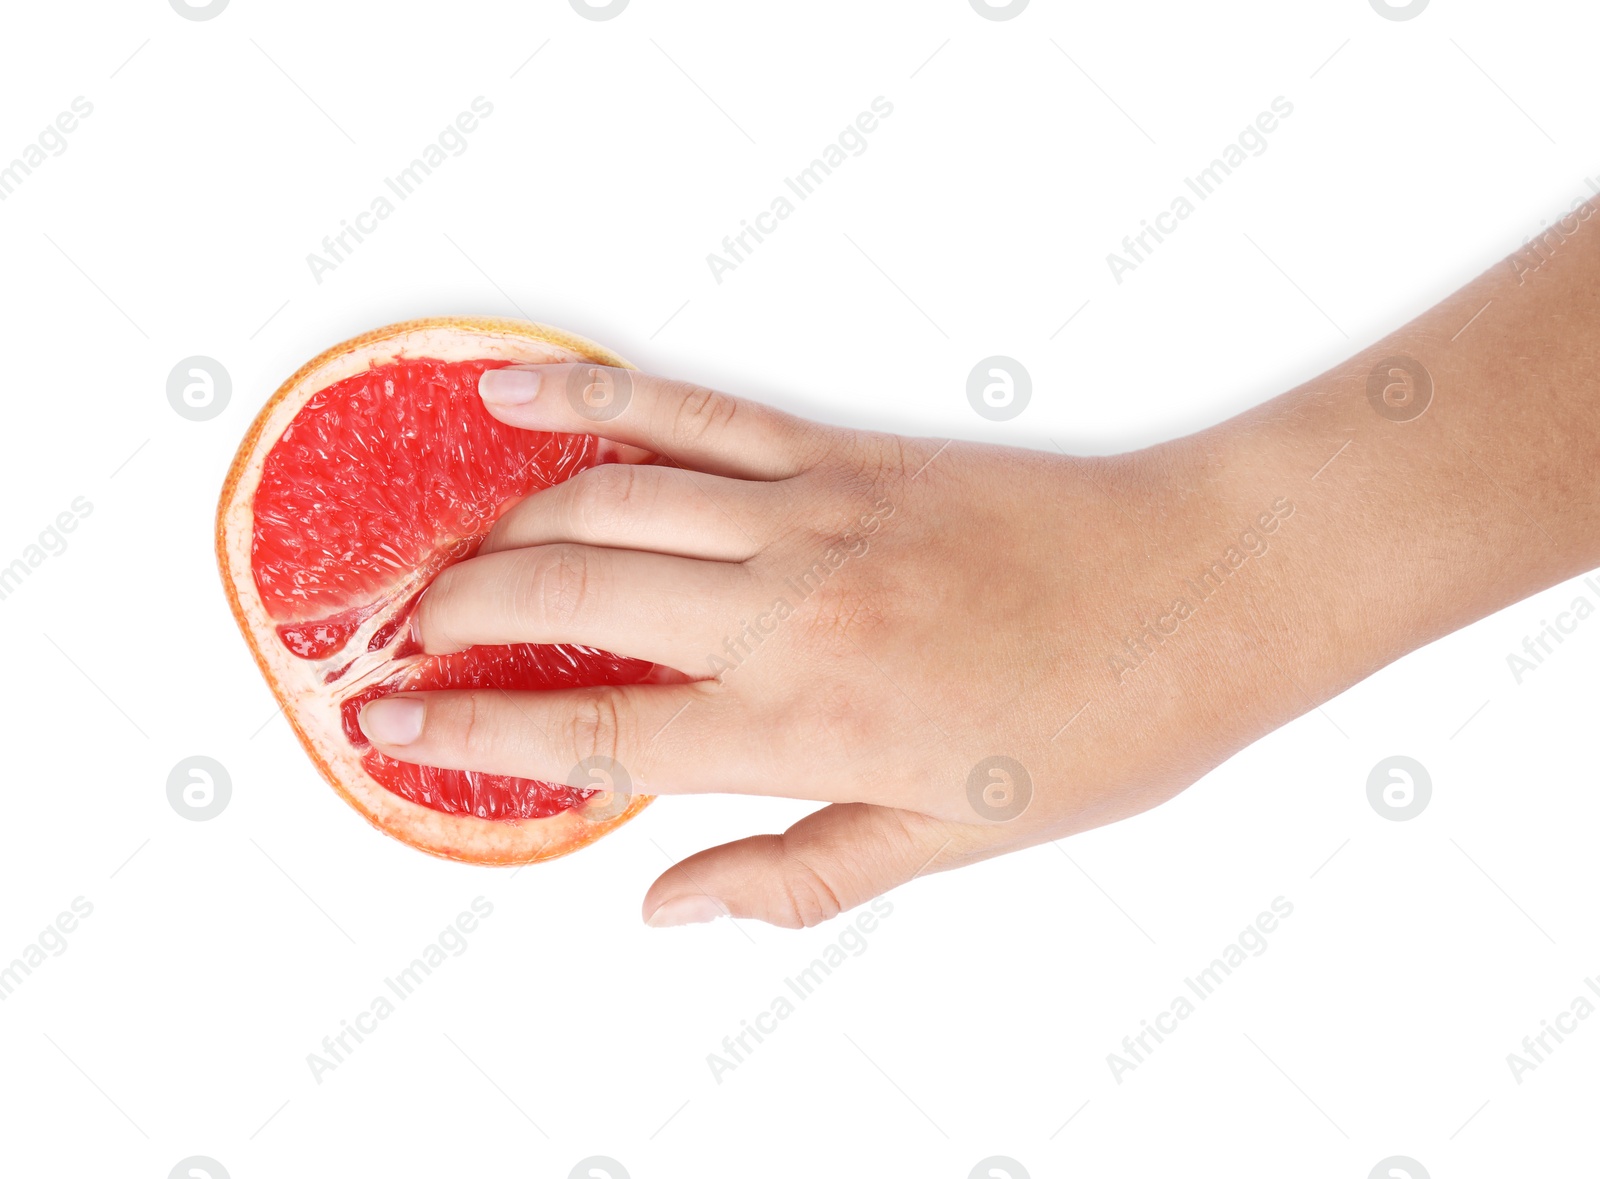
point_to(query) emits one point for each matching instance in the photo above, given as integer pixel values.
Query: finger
(651, 508)
(690, 425)
(687, 738)
(833, 860)
(645, 734)
(650, 606)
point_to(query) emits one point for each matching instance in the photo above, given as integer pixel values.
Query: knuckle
(560, 586)
(873, 466)
(595, 726)
(602, 497)
(701, 412)
(806, 898)
(823, 446)
(472, 735)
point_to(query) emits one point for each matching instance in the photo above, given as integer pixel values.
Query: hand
(967, 649)
(942, 640)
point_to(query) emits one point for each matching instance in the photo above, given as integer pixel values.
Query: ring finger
(647, 605)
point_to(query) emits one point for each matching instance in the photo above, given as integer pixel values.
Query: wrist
(1281, 599)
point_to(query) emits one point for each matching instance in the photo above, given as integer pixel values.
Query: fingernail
(392, 721)
(509, 386)
(692, 910)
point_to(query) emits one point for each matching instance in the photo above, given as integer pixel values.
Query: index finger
(690, 425)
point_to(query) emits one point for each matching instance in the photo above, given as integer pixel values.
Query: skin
(947, 603)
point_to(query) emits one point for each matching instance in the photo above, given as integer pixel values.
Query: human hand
(968, 649)
(940, 639)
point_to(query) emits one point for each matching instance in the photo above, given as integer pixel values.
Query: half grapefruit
(370, 470)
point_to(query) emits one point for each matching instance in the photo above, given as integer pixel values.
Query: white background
(977, 1022)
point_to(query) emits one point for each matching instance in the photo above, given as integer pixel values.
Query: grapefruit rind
(310, 709)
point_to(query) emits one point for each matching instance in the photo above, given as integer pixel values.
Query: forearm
(1411, 522)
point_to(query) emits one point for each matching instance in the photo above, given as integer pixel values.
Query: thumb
(830, 861)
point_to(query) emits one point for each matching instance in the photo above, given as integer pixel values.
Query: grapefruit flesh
(372, 470)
